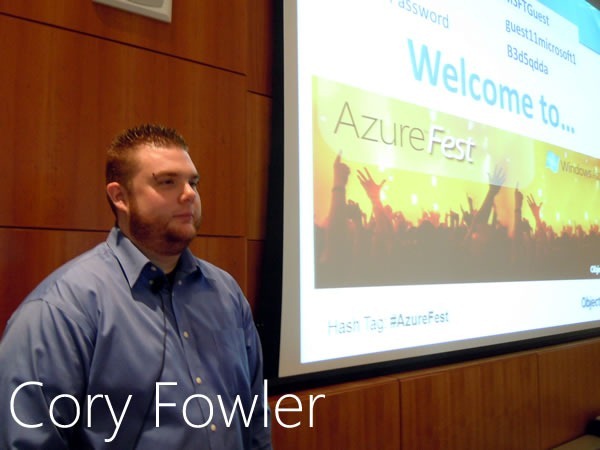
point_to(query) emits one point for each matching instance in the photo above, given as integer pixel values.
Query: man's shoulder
(210, 270)
(79, 271)
(218, 277)
(71, 288)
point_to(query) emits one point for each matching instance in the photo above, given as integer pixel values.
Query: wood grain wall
(75, 73)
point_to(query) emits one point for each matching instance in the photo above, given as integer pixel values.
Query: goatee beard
(165, 241)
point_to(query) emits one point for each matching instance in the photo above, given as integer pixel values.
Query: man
(136, 343)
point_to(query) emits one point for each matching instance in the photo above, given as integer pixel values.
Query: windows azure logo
(552, 161)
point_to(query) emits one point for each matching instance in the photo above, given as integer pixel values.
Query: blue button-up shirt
(109, 353)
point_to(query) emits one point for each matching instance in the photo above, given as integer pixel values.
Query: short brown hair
(120, 161)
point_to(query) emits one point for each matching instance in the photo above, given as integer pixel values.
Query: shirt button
(180, 282)
(213, 427)
(186, 334)
(198, 380)
(153, 269)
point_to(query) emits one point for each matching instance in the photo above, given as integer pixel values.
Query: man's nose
(189, 193)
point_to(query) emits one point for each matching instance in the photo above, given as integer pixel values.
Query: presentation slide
(442, 177)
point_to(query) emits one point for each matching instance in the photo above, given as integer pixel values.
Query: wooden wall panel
(255, 251)
(487, 405)
(28, 256)
(258, 153)
(69, 94)
(569, 394)
(260, 46)
(354, 416)
(212, 32)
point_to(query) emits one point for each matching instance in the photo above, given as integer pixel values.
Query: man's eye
(166, 181)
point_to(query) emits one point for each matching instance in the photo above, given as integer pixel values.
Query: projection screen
(441, 178)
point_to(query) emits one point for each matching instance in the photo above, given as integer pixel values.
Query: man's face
(164, 205)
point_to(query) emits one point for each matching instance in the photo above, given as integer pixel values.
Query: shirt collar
(133, 261)
(188, 263)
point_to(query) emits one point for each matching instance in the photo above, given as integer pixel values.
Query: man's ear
(118, 196)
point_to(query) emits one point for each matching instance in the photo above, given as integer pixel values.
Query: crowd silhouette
(385, 248)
